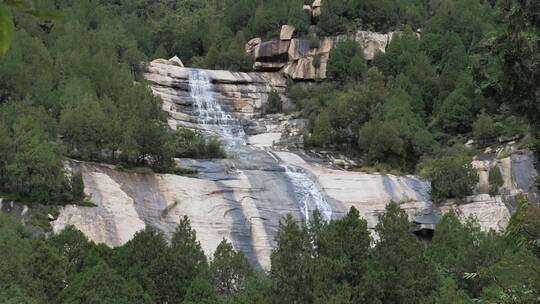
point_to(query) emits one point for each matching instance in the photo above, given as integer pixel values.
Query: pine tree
(188, 258)
(48, 269)
(229, 269)
(101, 284)
(200, 292)
(293, 281)
(404, 274)
(147, 260)
(344, 257)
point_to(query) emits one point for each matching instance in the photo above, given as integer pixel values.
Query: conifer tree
(404, 274)
(229, 269)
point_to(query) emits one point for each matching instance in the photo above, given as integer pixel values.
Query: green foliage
(524, 228)
(201, 292)
(316, 61)
(190, 144)
(189, 259)
(514, 279)
(291, 263)
(403, 273)
(508, 70)
(485, 129)
(346, 62)
(458, 249)
(451, 176)
(275, 104)
(320, 262)
(495, 180)
(449, 293)
(314, 41)
(77, 187)
(101, 284)
(229, 269)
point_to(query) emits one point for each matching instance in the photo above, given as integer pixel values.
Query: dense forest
(320, 262)
(71, 87)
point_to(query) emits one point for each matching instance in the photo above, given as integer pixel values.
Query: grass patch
(184, 171)
(136, 170)
(85, 203)
(503, 155)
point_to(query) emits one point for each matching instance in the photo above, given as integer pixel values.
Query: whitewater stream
(216, 121)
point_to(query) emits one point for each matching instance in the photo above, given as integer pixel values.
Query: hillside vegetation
(318, 263)
(459, 69)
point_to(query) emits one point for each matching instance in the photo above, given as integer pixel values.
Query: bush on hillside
(451, 176)
(190, 144)
(495, 180)
(275, 104)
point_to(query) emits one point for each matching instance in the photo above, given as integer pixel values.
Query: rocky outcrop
(287, 32)
(294, 57)
(316, 11)
(176, 61)
(245, 95)
(517, 169)
(244, 199)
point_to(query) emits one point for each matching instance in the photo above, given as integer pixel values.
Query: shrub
(314, 42)
(317, 61)
(346, 62)
(77, 187)
(275, 105)
(451, 176)
(495, 180)
(485, 129)
(190, 144)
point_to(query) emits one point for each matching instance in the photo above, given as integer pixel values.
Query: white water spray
(209, 112)
(308, 194)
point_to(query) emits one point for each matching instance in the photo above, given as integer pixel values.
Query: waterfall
(209, 112)
(308, 194)
(213, 119)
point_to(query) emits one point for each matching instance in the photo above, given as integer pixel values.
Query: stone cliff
(295, 57)
(244, 197)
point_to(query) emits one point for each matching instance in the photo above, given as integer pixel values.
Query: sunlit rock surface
(294, 57)
(243, 198)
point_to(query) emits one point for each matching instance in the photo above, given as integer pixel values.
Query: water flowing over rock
(308, 194)
(243, 198)
(210, 115)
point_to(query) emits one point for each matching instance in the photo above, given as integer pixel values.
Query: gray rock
(287, 32)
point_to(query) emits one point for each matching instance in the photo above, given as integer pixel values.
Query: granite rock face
(244, 95)
(243, 198)
(294, 57)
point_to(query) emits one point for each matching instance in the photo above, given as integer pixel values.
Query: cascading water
(211, 115)
(215, 120)
(308, 194)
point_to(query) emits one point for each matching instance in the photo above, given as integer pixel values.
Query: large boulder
(316, 10)
(176, 61)
(251, 44)
(271, 52)
(372, 42)
(287, 32)
(308, 10)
